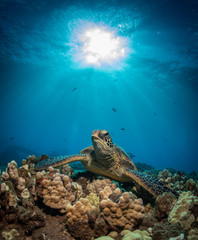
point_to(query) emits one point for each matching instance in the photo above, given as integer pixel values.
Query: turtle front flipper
(87, 150)
(149, 183)
(59, 161)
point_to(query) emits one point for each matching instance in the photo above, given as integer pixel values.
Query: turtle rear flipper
(149, 183)
(59, 161)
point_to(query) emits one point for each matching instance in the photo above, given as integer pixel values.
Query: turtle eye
(104, 132)
(101, 135)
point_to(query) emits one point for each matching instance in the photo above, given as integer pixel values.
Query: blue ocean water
(51, 99)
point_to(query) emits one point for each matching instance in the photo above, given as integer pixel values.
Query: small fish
(74, 89)
(115, 80)
(122, 129)
(114, 109)
(155, 113)
(11, 138)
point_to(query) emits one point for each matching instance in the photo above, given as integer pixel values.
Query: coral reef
(163, 205)
(185, 211)
(98, 185)
(79, 219)
(178, 181)
(51, 205)
(66, 170)
(16, 201)
(57, 190)
(164, 231)
(125, 211)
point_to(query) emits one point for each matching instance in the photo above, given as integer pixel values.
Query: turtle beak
(95, 134)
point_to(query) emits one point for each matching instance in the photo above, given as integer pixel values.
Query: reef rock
(164, 231)
(163, 205)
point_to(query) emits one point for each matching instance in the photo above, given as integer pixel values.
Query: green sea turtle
(109, 160)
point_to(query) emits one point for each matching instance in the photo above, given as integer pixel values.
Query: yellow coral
(93, 200)
(12, 235)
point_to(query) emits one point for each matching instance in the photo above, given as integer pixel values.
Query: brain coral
(184, 210)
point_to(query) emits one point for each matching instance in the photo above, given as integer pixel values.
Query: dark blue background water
(50, 105)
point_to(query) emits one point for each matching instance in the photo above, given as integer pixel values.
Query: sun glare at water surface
(99, 47)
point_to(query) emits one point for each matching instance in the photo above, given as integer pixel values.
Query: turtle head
(102, 142)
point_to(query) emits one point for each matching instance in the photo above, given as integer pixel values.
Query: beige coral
(78, 218)
(98, 185)
(25, 193)
(79, 211)
(5, 176)
(126, 213)
(21, 184)
(4, 187)
(12, 170)
(107, 191)
(182, 212)
(57, 190)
